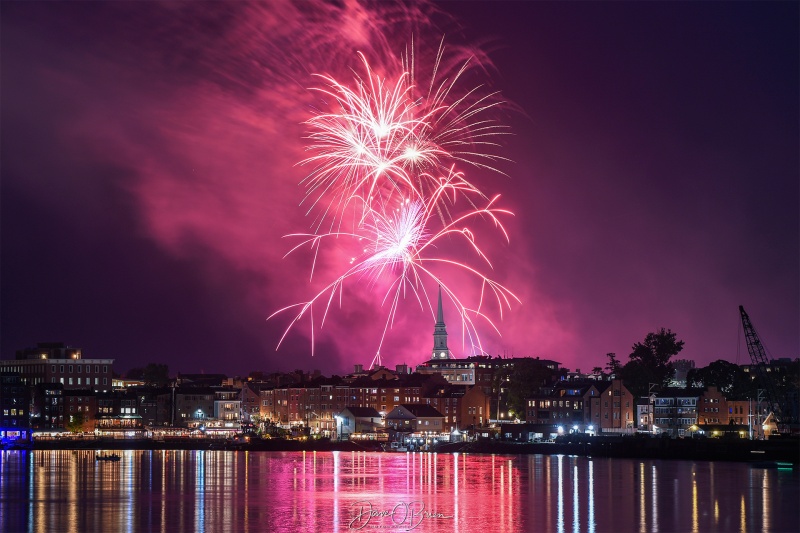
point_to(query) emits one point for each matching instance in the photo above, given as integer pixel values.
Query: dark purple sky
(149, 171)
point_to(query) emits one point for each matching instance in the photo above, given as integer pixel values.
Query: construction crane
(761, 361)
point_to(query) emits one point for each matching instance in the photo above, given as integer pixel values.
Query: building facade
(592, 406)
(59, 363)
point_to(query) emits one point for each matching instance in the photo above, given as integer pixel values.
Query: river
(172, 491)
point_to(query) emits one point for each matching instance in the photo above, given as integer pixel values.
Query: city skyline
(150, 172)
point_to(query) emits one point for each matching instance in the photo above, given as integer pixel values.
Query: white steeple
(440, 350)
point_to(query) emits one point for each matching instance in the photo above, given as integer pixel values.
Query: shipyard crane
(761, 361)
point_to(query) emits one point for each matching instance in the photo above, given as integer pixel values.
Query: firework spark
(384, 154)
(401, 253)
(385, 138)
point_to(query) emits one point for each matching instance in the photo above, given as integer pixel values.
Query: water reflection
(166, 491)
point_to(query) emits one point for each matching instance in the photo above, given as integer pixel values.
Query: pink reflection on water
(171, 491)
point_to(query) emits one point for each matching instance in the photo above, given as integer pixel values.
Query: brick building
(606, 406)
(55, 362)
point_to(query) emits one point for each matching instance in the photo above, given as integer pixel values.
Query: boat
(109, 457)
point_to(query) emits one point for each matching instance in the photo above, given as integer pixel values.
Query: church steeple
(440, 350)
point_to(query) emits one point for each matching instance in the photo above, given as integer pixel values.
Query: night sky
(149, 172)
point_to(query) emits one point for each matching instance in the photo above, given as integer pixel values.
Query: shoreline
(786, 450)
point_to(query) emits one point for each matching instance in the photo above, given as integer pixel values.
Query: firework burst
(384, 154)
(382, 138)
(399, 253)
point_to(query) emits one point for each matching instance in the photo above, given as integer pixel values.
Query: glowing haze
(381, 159)
(156, 155)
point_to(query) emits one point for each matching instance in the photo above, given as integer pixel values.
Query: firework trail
(384, 186)
(399, 249)
(383, 139)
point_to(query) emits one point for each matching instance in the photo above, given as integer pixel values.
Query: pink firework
(386, 138)
(384, 150)
(399, 252)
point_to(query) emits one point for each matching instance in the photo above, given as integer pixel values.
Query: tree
(650, 362)
(613, 366)
(75, 424)
(134, 373)
(156, 374)
(727, 377)
(523, 381)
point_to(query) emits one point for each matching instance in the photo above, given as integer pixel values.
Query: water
(169, 491)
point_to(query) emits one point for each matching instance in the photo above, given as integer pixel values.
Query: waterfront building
(14, 410)
(464, 408)
(80, 409)
(47, 408)
(415, 417)
(192, 403)
(675, 410)
(754, 414)
(359, 420)
(712, 407)
(118, 414)
(385, 395)
(589, 406)
(55, 362)
(316, 404)
(153, 404)
(249, 400)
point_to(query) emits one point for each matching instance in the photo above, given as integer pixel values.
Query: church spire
(440, 350)
(439, 312)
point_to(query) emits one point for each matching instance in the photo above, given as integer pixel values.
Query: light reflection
(765, 503)
(246, 491)
(642, 515)
(654, 498)
(547, 485)
(742, 516)
(560, 519)
(337, 466)
(31, 463)
(590, 503)
(502, 493)
(455, 489)
(163, 491)
(575, 501)
(200, 490)
(229, 491)
(695, 524)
